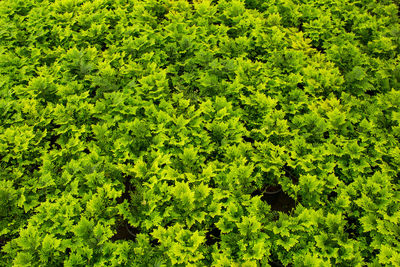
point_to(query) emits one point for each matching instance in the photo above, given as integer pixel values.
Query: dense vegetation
(152, 132)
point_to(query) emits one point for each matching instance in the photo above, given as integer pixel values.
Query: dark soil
(279, 201)
(125, 231)
(213, 236)
(276, 198)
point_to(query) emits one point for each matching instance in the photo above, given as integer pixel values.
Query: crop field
(199, 133)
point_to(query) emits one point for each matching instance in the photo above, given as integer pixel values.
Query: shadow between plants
(125, 231)
(277, 199)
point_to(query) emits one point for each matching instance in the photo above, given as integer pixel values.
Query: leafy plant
(146, 133)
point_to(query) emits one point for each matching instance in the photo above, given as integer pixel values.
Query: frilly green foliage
(146, 133)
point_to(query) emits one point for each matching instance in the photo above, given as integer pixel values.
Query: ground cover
(203, 133)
